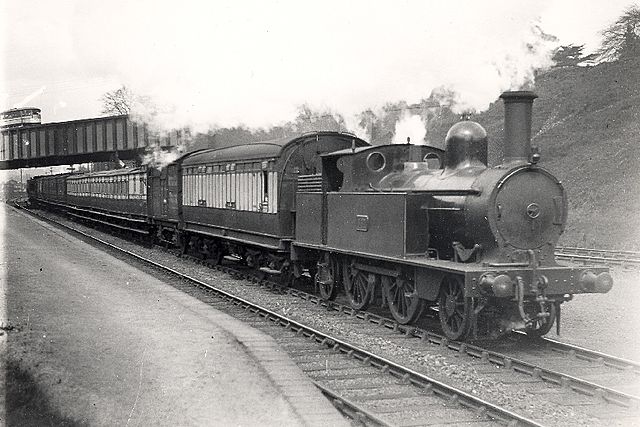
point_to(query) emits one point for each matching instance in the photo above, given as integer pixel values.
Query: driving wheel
(358, 285)
(403, 301)
(454, 308)
(327, 277)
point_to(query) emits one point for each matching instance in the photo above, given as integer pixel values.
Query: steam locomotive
(406, 226)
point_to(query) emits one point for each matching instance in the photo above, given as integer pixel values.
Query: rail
(599, 256)
(499, 359)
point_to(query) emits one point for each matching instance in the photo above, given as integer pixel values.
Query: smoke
(357, 125)
(510, 70)
(160, 158)
(409, 126)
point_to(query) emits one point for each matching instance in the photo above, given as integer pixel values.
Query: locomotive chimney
(517, 125)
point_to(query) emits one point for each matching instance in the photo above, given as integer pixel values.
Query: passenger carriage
(115, 197)
(48, 190)
(240, 200)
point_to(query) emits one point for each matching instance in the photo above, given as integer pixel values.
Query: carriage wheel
(251, 259)
(184, 243)
(327, 277)
(215, 254)
(357, 286)
(542, 325)
(200, 247)
(454, 308)
(403, 301)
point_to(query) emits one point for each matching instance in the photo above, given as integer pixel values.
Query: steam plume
(409, 126)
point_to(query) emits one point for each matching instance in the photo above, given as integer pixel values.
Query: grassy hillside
(586, 123)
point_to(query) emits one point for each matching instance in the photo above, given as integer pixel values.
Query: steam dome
(466, 145)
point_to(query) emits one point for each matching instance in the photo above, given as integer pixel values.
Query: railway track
(523, 356)
(544, 359)
(629, 259)
(507, 358)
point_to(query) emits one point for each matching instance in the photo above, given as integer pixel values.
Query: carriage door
(157, 192)
(171, 190)
(164, 199)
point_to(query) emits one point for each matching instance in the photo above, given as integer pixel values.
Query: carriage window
(231, 186)
(265, 178)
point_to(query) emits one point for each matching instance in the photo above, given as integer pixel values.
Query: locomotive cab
(362, 169)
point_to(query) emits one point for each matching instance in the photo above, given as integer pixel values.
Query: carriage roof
(256, 150)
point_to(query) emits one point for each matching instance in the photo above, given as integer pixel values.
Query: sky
(213, 63)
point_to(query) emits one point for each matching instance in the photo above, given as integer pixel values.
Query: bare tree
(621, 39)
(118, 101)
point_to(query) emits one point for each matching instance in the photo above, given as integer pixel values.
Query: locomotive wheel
(454, 309)
(541, 326)
(327, 278)
(357, 286)
(404, 303)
